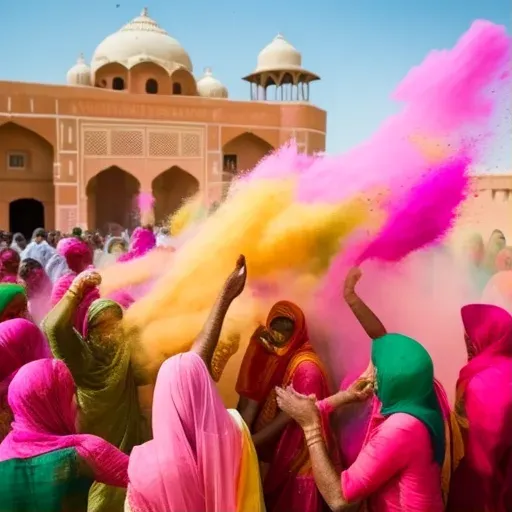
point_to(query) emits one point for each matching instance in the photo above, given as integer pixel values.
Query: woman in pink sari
(202, 457)
(483, 480)
(38, 286)
(44, 463)
(20, 342)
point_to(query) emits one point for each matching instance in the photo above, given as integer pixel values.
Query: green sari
(106, 387)
(51, 482)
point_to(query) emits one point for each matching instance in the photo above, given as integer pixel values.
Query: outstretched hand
(85, 280)
(235, 283)
(353, 277)
(299, 407)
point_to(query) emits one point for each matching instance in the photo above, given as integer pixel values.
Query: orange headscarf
(262, 370)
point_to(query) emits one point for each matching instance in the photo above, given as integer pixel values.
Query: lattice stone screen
(126, 143)
(190, 144)
(95, 143)
(163, 144)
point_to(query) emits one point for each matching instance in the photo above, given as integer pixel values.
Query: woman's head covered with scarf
(103, 320)
(57, 267)
(77, 253)
(21, 341)
(13, 302)
(270, 350)
(43, 402)
(405, 383)
(488, 335)
(9, 265)
(142, 241)
(193, 433)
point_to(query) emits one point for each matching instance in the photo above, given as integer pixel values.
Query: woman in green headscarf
(13, 302)
(400, 464)
(101, 366)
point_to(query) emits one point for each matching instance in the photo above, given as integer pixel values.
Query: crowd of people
(74, 435)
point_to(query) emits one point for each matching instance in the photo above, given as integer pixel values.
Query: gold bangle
(317, 441)
(313, 438)
(316, 428)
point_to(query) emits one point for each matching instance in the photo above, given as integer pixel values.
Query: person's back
(52, 482)
(396, 468)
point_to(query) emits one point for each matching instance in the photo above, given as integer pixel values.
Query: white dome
(209, 87)
(141, 40)
(278, 55)
(80, 73)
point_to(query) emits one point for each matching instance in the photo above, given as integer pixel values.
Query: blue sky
(360, 48)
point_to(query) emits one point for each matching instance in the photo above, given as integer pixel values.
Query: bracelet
(313, 439)
(315, 428)
(316, 441)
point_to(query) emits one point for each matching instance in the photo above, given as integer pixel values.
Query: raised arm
(366, 317)
(205, 344)
(65, 342)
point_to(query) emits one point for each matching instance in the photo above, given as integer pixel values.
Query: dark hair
(39, 232)
(77, 232)
(18, 237)
(28, 266)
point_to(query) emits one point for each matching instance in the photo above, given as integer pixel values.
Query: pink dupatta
(42, 399)
(192, 463)
(484, 410)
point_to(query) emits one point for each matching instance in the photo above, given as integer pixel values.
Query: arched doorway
(170, 189)
(25, 215)
(112, 198)
(243, 152)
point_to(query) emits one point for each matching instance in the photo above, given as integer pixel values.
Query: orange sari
(289, 482)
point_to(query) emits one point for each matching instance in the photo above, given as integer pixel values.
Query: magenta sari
(20, 342)
(192, 463)
(483, 480)
(42, 399)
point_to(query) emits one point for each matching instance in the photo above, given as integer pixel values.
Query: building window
(16, 160)
(230, 164)
(118, 84)
(176, 88)
(152, 86)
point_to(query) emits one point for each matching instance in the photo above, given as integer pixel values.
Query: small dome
(141, 40)
(209, 87)
(279, 54)
(80, 73)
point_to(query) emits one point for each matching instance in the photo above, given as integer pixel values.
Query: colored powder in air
(334, 196)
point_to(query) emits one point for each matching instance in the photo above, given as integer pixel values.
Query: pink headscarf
(489, 329)
(78, 254)
(192, 463)
(142, 241)
(21, 341)
(60, 288)
(42, 399)
(9, 264)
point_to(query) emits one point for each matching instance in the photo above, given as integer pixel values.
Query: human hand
(360, 390)
(235, 283)
(351, 280)
(299, 407)
(85, 280)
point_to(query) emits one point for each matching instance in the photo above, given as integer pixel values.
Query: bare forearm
(337, 400)
(206, 342)
(326, 477)
(366, 317)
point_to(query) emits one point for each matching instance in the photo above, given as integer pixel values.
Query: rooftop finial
(208, 71)
(144, 12)
(81, 59)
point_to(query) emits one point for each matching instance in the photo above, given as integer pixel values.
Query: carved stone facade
(79, 156)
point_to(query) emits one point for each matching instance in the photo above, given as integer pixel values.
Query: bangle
(317, 427)
(316, 441)
(311, 439)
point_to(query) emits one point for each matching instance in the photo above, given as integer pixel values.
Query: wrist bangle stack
(313, 436)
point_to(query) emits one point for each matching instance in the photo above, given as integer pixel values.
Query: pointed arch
(170, 189)
(111, 198)
(243, 152)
